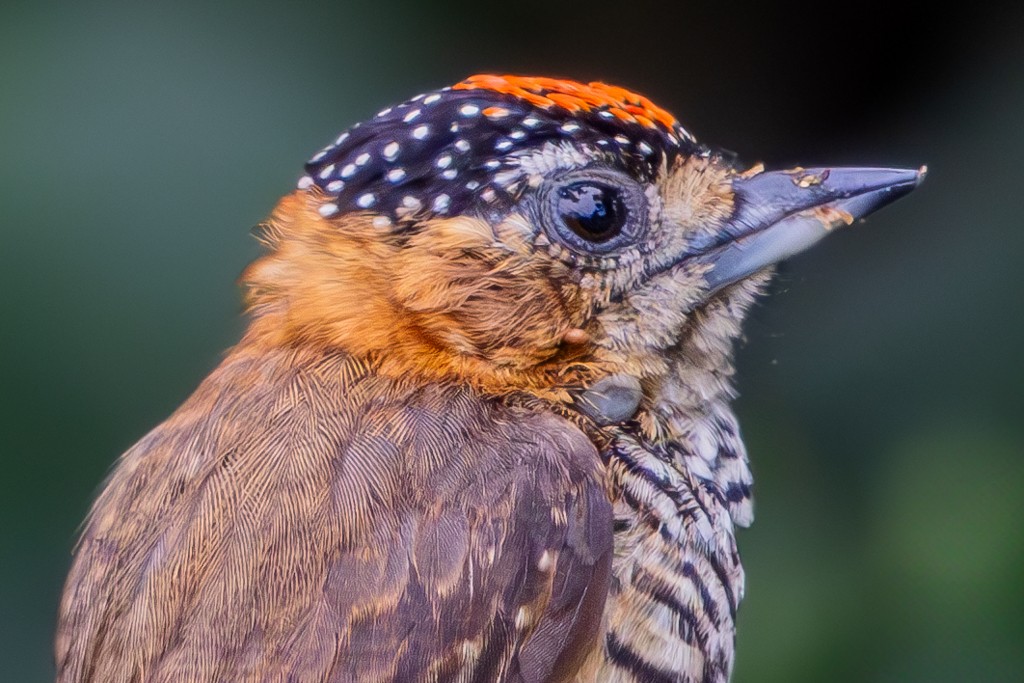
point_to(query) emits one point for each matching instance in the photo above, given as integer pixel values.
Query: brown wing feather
(310, 521)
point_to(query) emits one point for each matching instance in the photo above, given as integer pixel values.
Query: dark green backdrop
(881, 382)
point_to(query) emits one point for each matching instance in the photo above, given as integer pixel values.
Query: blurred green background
(881, 382)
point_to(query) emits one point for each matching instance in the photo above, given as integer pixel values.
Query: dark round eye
(593, 211)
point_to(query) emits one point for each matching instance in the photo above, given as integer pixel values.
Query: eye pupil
(594, 212)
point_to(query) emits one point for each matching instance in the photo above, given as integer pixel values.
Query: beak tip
(781, 213)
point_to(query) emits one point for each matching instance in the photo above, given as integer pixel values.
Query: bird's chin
(735, 298)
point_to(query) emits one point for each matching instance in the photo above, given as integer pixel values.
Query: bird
(479, 426)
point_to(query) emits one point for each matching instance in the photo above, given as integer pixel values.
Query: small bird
(479, 426)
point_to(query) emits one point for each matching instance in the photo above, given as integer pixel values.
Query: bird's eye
(593, 211)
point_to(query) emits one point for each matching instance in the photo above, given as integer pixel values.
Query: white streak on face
(653, 194)
(505, 178)
(553, 156)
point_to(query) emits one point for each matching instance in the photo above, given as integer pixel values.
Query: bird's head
(535, 234)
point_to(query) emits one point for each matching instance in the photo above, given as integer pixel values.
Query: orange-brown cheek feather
(448, 303)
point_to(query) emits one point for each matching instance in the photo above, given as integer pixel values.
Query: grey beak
(781, 213)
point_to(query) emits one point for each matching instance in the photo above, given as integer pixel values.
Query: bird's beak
(781, 213)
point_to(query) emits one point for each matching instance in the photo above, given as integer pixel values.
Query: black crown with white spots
(452, 152)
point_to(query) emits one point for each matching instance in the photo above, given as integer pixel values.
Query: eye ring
(594, 210)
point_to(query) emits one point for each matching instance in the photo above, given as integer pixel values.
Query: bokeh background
(881, 382)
